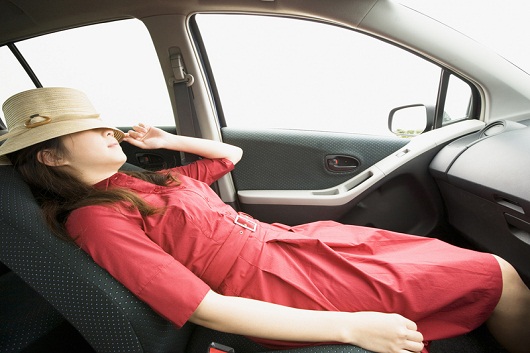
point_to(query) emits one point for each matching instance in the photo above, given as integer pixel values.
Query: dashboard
(484, 179)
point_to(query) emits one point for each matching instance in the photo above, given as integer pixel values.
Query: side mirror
(411, 120)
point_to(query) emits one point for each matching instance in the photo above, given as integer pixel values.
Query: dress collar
(126, 181)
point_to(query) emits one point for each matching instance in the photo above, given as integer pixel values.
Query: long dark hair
(59, 193)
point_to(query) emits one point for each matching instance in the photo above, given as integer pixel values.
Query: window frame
(25, 66)
(445, 73)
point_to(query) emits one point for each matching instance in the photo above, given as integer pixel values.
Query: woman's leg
(510, 321)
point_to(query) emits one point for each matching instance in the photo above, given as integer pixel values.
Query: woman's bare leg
(510, 321)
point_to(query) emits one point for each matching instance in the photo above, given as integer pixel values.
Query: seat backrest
(109, 317)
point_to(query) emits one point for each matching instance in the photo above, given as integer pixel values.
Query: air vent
(500, 126)
(493, 129)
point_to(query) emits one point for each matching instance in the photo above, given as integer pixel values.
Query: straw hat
(44, 113)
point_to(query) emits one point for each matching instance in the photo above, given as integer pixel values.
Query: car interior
(461, 179)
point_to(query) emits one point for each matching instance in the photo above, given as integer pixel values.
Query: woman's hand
(150, 137)
(381, 332)
(146, 137)
(378, 332)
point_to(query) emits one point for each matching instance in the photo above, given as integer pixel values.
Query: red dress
(170, 260)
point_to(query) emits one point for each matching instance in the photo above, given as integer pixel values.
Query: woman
(178, 247)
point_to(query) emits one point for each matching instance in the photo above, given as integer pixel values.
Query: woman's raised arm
(370, 330)
(148, 137)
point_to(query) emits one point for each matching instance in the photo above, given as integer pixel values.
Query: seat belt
(188, 124)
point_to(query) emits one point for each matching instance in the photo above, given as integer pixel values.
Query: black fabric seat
(24, 315)
(107, 315)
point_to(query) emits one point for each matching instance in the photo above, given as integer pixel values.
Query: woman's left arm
(149, 137)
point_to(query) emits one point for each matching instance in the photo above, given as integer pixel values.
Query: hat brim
(46, 132)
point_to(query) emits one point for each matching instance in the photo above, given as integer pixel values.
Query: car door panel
(283, 176)
(277, 159)
(392, 191)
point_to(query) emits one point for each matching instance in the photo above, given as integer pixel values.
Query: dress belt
(227, 254)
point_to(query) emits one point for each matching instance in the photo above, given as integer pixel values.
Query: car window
(114, 63)
(13, 77)
(457, 101)
(289, 73)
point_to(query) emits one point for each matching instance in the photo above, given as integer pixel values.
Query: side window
(13, 77)
(457, 101)
(288, 73)
(114, 63)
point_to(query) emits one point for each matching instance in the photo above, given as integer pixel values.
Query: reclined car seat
(104, 312)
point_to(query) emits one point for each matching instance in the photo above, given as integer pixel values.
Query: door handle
(341, 163)
(151, 161)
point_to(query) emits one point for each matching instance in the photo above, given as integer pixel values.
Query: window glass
(13, 77)
(457, 101)
(288, 73)
(115, 64)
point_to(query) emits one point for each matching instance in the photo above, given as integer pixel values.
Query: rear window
(115, 64)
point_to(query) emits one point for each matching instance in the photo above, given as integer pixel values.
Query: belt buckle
(246, 223)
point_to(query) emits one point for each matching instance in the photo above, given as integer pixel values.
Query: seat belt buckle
(246, 222)
(219, 348)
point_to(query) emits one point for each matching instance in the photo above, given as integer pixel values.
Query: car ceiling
(21, 19)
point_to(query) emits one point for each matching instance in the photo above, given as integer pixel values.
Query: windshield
(500, 25)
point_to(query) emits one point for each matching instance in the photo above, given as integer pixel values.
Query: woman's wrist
(171, 142)
(341, 327)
